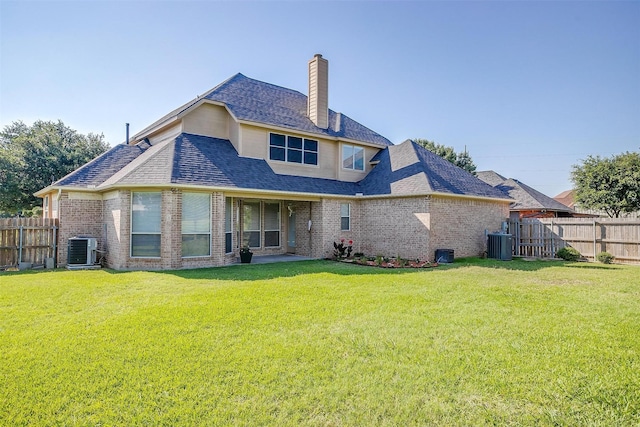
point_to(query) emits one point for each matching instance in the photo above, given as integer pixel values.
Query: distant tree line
(33, 157)
(610, 184)
(461, 159)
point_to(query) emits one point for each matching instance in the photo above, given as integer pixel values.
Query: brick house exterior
(250, 163)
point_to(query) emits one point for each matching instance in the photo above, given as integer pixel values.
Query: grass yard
(317, 343)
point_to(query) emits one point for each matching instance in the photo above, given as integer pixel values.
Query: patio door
(291, 233)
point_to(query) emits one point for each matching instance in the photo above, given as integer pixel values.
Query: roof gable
(410, 169)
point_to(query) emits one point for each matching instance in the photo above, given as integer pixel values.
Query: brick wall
(460, 224)
(396, 227)
(412, 227)
(79, 217)
(116, 218)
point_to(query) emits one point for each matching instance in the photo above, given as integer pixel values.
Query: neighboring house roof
(404, 170)
(264, 103)
(526, 198)
(567, 198)
(491, 177)
(409, 168)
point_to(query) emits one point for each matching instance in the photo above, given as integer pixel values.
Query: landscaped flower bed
(397, 262)
(342, 252)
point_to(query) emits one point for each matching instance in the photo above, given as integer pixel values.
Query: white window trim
(353, 157)
(348, 216)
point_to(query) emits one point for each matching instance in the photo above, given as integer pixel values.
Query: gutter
(274, 194)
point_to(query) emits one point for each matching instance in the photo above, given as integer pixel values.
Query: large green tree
(461, 159)
(608, 184)
(32, 157)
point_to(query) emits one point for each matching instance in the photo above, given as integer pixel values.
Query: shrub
(343, 249)
(605, 257)
(568, 254)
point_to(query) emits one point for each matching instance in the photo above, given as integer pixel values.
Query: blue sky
(530, 88)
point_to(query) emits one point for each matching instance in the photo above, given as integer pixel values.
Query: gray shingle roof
(261, 102)
(526, 198)
(405, 169)
(103, 167)
(409, 168)
(200, 160)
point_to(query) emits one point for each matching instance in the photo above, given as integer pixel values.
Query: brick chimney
(318, 102)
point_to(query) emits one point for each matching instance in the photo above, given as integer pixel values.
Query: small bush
(605, 257)
(568, 254)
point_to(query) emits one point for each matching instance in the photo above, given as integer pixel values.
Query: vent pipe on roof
(127, 133)
(318, 101)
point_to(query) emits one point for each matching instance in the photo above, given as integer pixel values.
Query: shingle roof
(200, 160)
(409, 168)
(261, 102)
(526, 198)
(103, 167)
(567, 198)
(491, 177)
(405, 169)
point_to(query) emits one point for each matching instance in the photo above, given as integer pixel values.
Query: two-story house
(251, 163)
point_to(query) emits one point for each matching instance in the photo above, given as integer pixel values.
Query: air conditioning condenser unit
(82, 251)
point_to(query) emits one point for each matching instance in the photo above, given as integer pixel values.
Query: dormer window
(293, 149)
(352, 157)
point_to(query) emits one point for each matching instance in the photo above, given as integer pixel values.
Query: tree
(32, 157)
(461, 159)
(609, 184)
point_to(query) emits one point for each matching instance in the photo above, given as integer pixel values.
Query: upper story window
(293, 149)
(352, 157)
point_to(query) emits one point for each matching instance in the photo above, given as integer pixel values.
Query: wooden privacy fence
(541, 238)
(28, 241)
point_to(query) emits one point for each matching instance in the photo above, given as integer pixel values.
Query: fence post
(595, 236)
(20, 246)
(553, 239)
(55, 246)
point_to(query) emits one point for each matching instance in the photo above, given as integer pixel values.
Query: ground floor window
(261, 224)
(271, 224)
(345, 216)
(196, 224)
(251, 229)
(145, 224)
(228, 225)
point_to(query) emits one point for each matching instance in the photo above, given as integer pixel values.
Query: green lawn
(479, 342)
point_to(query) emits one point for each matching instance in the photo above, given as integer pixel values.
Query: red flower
(341, 240)
(350, 242)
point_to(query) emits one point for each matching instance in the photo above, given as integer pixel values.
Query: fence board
(542, 237)
(27, 240)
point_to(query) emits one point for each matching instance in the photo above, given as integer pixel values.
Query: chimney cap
(317, 55)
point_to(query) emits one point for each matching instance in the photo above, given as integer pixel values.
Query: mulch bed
(391, 263)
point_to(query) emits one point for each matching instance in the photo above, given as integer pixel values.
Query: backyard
(320, 343)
